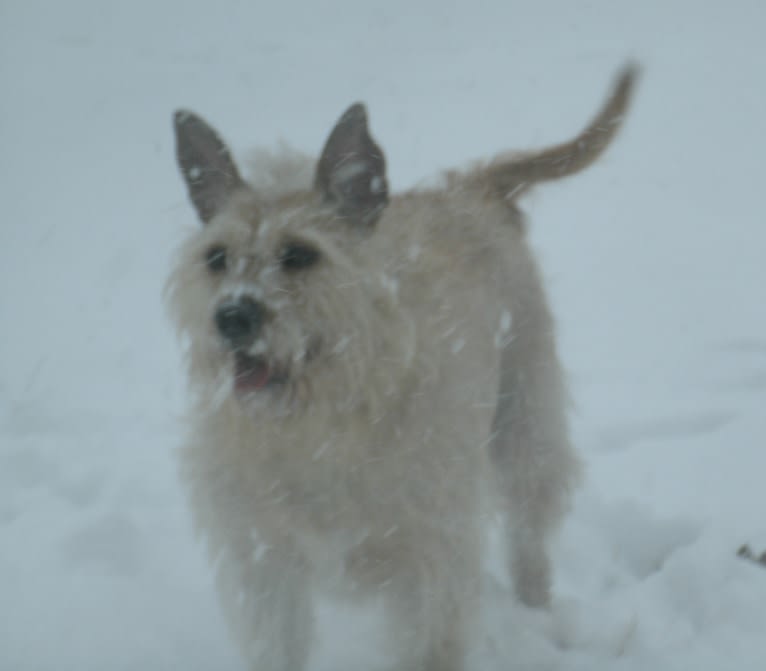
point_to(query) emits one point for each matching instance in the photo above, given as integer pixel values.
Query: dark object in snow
(746, 553)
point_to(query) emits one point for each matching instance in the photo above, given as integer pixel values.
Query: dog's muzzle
(240, 321)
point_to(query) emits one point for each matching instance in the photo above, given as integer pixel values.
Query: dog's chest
(329, 486)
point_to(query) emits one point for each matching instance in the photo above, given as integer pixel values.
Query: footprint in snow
(665, 428)
(111, 542)
(643, 543)
(752, 358)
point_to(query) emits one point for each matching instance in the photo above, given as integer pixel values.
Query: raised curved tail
(511, 175)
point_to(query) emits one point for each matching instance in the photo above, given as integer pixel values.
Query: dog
(374, 377)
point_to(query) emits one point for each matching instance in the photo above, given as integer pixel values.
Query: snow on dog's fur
(373, 376)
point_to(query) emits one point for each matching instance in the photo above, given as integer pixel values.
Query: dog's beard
(257, 373)
(258, 383)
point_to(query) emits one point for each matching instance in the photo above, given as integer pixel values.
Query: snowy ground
(654, 259)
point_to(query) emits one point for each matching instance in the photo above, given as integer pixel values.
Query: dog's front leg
(264, 590)
(431, 601)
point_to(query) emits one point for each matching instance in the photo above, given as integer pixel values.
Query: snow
(457, 345)
(503, 335)
(654, 260)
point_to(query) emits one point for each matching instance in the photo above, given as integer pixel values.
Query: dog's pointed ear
(352, 169)
(206, 164)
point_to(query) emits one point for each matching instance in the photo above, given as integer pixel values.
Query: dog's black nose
(239, 321)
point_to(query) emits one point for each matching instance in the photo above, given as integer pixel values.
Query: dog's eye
(298, 256)
(215, 258)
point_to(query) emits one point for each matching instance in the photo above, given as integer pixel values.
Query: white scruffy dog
(374, 376)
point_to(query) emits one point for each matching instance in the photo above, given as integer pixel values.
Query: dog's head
(276, 293)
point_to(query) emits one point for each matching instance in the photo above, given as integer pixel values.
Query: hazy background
(654, 259)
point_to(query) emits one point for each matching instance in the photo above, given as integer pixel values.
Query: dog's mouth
(255, 373)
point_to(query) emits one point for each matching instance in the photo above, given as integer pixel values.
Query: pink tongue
(251, 374)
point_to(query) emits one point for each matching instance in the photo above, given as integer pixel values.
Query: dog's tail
(511, 175)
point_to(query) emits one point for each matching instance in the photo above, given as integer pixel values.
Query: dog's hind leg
(535, 464)
(265, 595)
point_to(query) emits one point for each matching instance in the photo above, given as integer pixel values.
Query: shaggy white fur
(390, 380)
